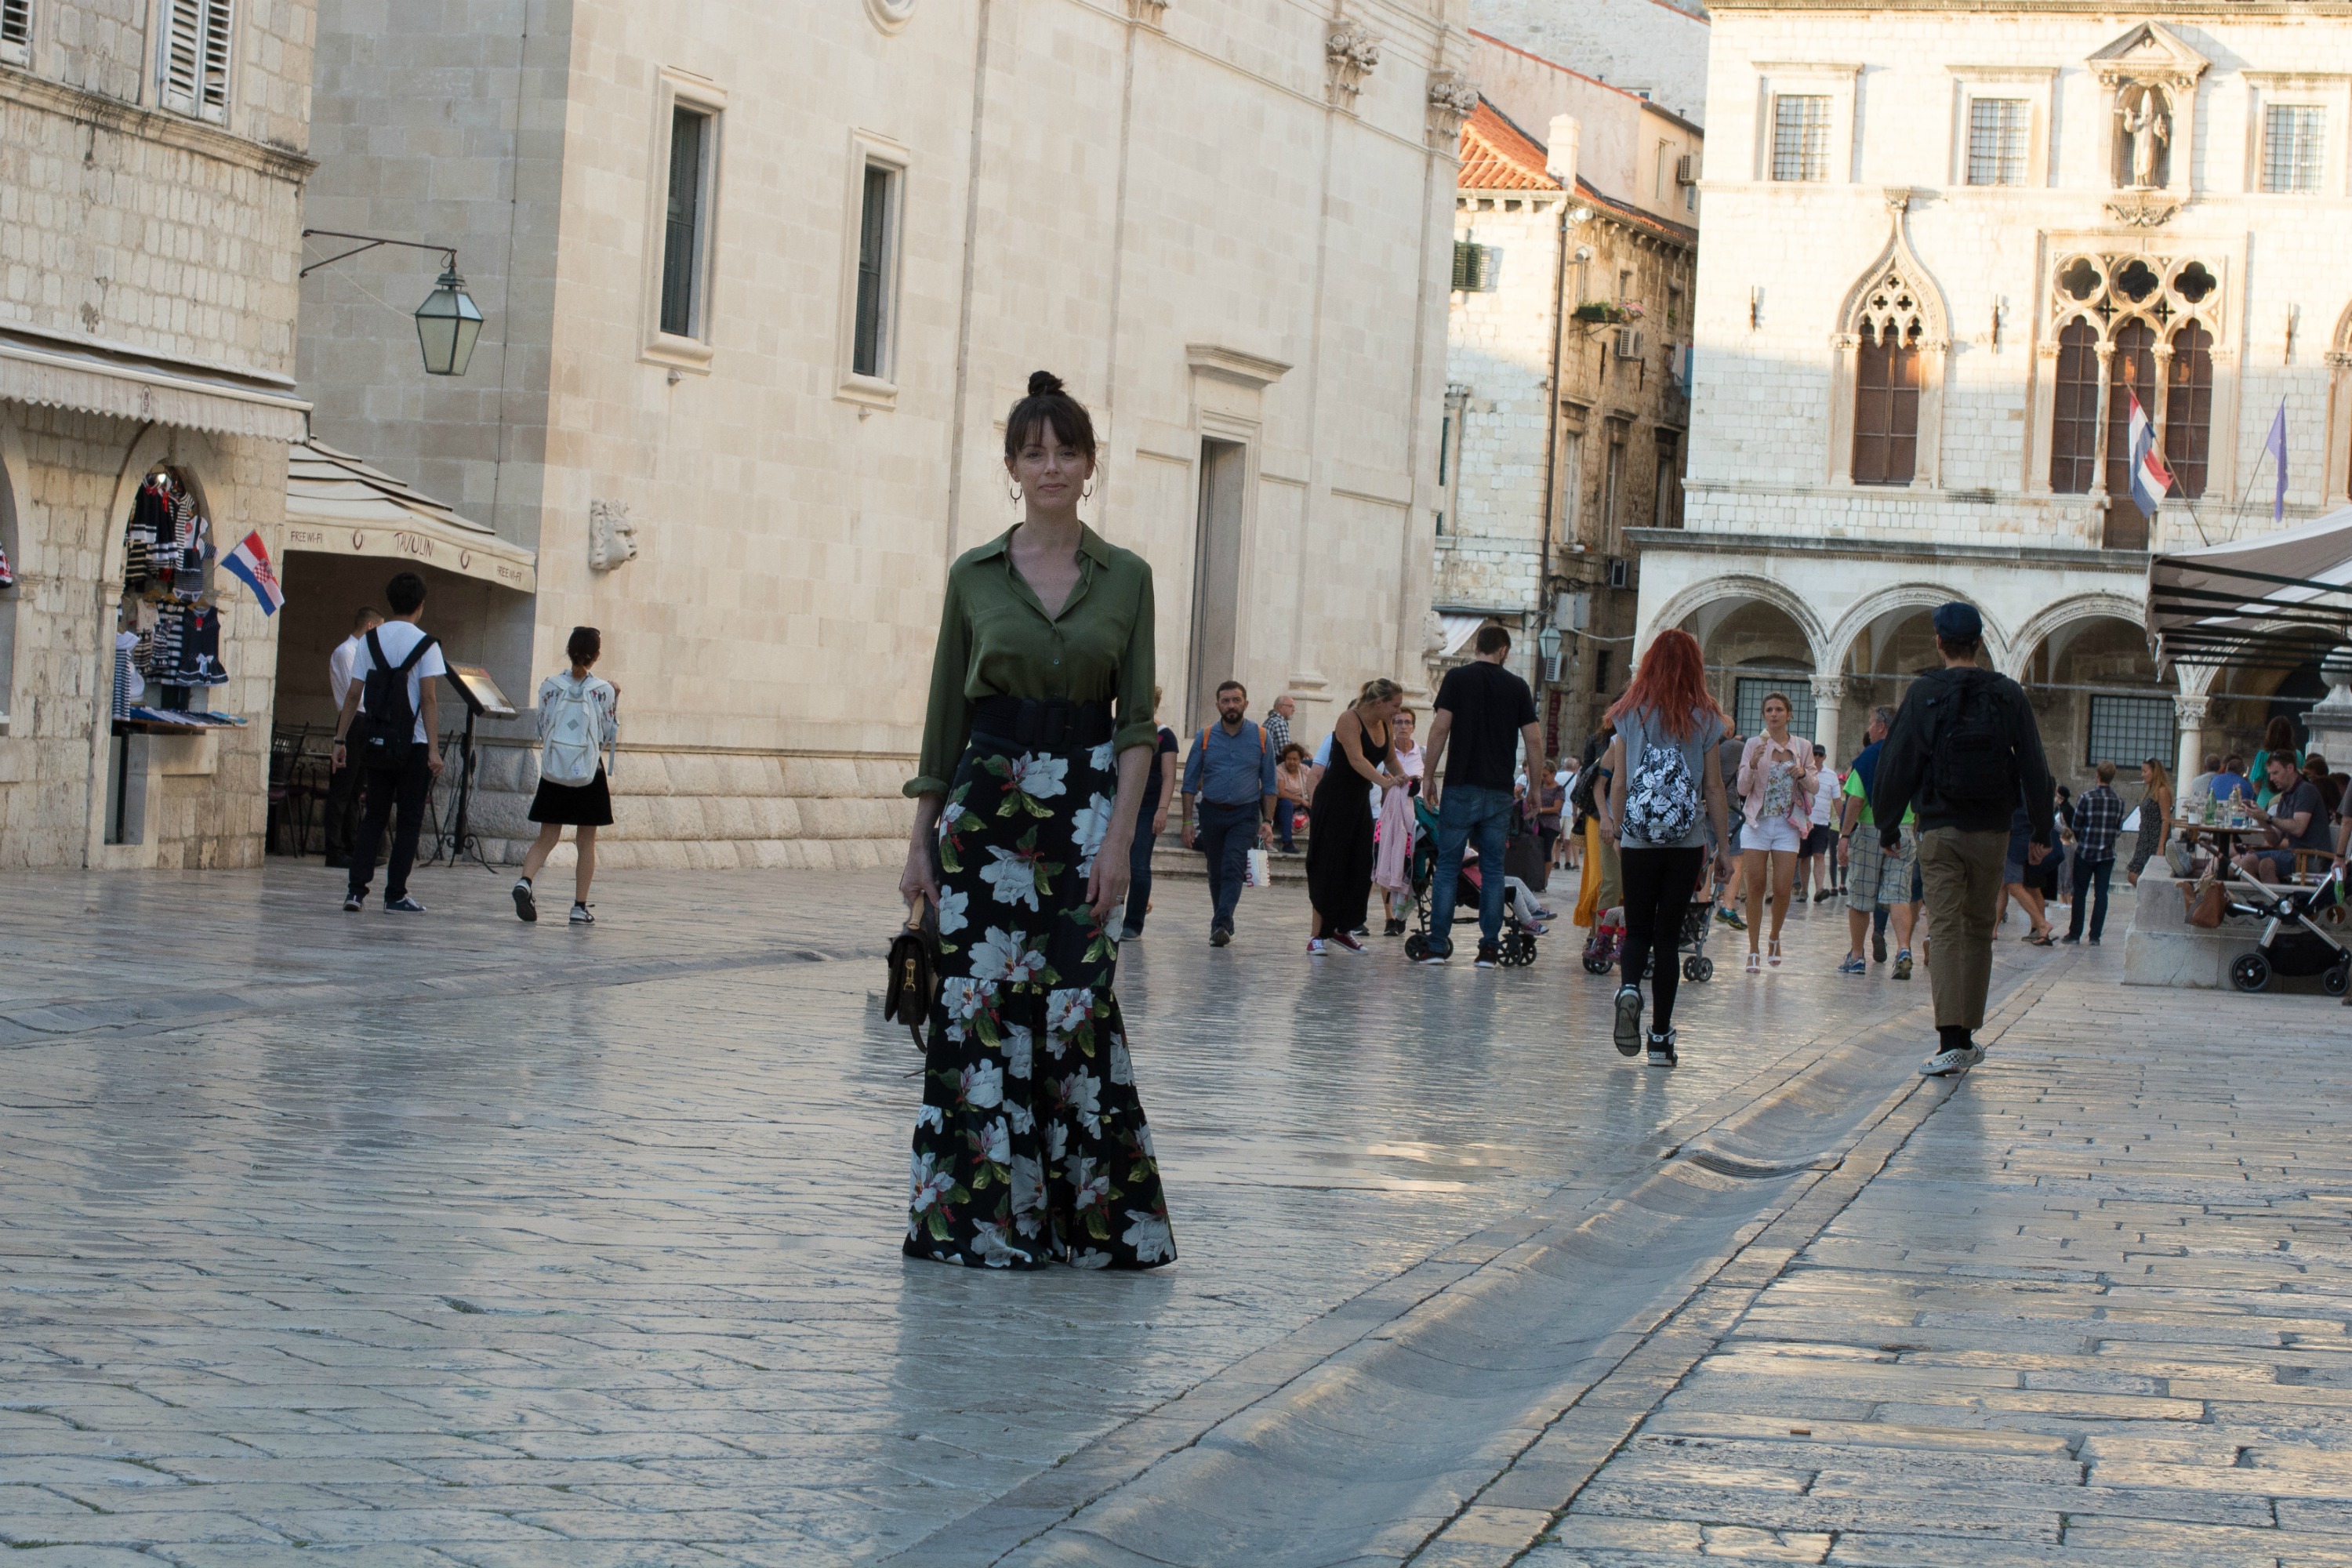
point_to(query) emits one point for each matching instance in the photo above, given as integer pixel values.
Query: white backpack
(573, 732)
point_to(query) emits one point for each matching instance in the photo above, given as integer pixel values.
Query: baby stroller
(1518, 946)
(1608, 942)
(2294, 942)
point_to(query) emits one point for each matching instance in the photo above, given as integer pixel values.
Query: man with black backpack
(1963, 746)
(393, 683)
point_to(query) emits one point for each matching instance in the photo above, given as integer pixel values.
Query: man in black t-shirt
(2296, 818)
(1484, 712)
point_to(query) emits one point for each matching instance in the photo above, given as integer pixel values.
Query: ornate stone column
(1829, 710)
(2330, 720)
(2189, 711)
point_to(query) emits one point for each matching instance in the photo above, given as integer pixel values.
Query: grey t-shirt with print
(1639, 730)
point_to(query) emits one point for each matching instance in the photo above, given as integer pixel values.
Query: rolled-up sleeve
(948, 719)
(1138, 725)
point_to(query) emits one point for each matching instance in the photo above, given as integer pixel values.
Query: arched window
(1886, 405)
(2131, 374)
(2188, 410)
(2074, 424)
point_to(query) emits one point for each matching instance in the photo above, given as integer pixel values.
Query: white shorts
(1773, 833)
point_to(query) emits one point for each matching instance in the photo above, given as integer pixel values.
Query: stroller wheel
(1416, 947)
(1690, 969)
(1595, 964)
(1706, 968)
(1518, 950)
(2250, 971)
(2338, 980)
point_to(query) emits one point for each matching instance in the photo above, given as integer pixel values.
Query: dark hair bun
(1044, 383)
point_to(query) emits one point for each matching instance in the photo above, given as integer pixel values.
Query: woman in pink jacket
(1776, 784)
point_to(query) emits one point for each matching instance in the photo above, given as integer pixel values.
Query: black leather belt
(1052, 724)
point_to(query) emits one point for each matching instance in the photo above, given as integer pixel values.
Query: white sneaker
(1943, 1064)
(581, 917)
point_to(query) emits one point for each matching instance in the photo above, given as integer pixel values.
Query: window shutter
(197, 56)
(1490, 268)
(212, 100)
(1465, 264)
(183, 32)
(16, 28)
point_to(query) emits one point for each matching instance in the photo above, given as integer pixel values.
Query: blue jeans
(1464, 810)
(1139, 871)
(1285, 818)
(2091, 884)
(1226, 834)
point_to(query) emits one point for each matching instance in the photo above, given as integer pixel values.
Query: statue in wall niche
(2145, 121)
(612, 537)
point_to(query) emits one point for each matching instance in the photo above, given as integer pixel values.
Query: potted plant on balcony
(1608, 312)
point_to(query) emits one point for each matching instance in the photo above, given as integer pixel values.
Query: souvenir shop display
(168, 629)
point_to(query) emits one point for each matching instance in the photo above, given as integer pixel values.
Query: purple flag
(2275, 445)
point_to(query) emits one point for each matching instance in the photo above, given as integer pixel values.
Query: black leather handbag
(914, 983)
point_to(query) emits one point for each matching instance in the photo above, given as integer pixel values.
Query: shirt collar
(1090, 544)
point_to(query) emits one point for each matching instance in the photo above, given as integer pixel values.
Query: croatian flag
(2150, 477)
(250, 561)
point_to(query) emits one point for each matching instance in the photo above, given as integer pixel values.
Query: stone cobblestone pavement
(450, 1240)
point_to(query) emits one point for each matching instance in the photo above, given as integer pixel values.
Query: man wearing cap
(1964, 744)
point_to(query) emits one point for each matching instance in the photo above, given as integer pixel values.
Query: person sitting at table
(2295, 820)
(2231, 783)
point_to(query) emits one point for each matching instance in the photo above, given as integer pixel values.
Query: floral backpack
(1662, 800)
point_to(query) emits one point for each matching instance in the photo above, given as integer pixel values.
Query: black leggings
(1658, 888)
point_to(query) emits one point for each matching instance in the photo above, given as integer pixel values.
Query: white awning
(338, 505)
(1459, 630)
(55, 370)
(2276, 600)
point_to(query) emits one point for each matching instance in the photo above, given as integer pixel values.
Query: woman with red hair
(1664, 791)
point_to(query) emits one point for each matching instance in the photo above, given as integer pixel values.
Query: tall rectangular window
(2188, 411)
(196, 56)
(16, 30)
(1800, 136)
(2074, 418)
(2292, 155)
(1612, 487)
(1997, 132)
(1885, 409)
(685, 222)
(877, 239)
(1747, 694)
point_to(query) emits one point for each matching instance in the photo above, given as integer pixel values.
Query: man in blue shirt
(1231, 769)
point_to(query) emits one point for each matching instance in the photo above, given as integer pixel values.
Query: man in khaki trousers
(1964, 750)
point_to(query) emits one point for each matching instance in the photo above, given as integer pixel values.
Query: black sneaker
(1489, 956)
(1394, 928)
(1218, 936)
(403, 905)
(526, 906)
(1129, 933)
(2069, 940)
(1662, 1049)
(354, 903)
(1877, 946)
(1434, 954)
(1629, 1020)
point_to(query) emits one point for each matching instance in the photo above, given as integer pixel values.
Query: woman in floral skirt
(1031, 1146)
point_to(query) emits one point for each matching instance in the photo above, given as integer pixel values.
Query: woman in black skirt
(1030, 1147)
(1339, 846)
(576, 711)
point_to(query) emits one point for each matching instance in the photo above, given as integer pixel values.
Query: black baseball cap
(1959, 623)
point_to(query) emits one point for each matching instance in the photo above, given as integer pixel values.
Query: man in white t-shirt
(342, 781)
(396, 787)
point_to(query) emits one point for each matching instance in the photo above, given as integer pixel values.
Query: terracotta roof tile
(1496, 155)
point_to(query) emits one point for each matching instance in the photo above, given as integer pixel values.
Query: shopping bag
(1261, 869)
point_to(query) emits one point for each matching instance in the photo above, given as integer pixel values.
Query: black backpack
(1973, 757)
(383, 703)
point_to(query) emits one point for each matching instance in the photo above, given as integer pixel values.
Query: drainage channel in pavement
(1448, 1415)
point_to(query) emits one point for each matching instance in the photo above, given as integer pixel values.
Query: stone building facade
(761, 282)
(1575, 233)
(1951, 248)
(1654, 50)
(151, 167)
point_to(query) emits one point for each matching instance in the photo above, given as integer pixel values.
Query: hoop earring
(1087, 491)
(1014, 492)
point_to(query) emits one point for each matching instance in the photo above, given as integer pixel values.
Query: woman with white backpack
(1664, 791)
(579, 723)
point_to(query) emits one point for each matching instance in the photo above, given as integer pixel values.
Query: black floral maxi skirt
(1031, 1146)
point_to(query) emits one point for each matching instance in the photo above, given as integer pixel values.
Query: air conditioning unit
(1629, 342)
(1618, 573)
(1686, 169)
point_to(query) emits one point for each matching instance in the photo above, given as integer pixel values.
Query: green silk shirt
(996, 640)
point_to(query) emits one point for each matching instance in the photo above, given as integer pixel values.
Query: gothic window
(1800, 137)
(1886, 406)
(2188, 410)
(1997, 130)
(2292, 153)
(2074, 422)
(2131, 377)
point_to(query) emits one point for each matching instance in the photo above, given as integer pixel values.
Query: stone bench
(2163, 949)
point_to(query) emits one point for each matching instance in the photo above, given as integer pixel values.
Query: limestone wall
(1639, 45)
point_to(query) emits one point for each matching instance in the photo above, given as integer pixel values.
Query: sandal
(2039, 939)
(1774, 960)
(1754, 966)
